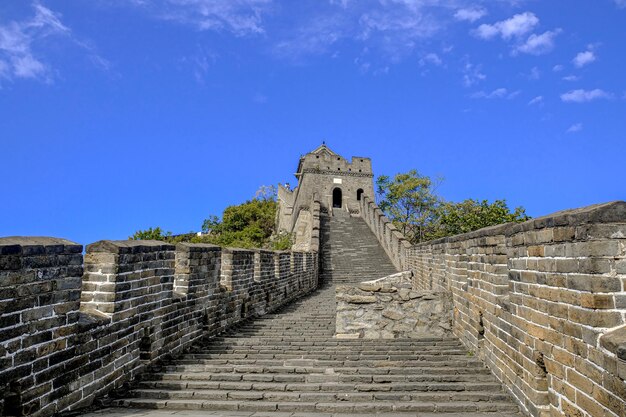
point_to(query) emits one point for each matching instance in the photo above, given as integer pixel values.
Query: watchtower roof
(319, 151)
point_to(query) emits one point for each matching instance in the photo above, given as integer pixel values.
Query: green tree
(410, 202)
(469, 215)
(211, 225)
(151, 234)
(247, 225)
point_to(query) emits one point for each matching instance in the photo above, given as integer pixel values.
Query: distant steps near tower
(350, 251)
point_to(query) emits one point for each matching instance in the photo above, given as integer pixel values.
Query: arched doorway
(359, 192)
(337, 198)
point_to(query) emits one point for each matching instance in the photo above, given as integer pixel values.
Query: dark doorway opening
(337, 198)
(359, 192)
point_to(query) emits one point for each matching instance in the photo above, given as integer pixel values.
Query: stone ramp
(350, 252)
(290, 362)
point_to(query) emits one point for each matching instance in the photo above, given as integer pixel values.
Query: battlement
(75, 327)
(326, 177)
(326, 162)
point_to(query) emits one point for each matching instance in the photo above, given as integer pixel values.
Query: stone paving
(117, 412)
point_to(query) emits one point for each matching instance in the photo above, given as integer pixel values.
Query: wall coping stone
(194, 247)
(612, 212)
(239, 250)
(129, 246)
(37, 245)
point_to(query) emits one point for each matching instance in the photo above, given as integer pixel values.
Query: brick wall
(68, 337)
(544, 304)
(40, 282)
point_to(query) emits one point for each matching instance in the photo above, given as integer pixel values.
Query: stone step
(337, 346)
(313, 350)
(349, 342)
(264, 393)
(186, 375)
(174, 373)
(314, 383)
(331, 363)
(320, 356)
(323, 407)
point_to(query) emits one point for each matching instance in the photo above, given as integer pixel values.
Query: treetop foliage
(247, 225)
(410, 201)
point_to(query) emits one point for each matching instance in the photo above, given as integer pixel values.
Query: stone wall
(543, 303)
(394, 243)
(388, 308)
(68, 337)
(307, 229)
(320, 173)
(40, 282)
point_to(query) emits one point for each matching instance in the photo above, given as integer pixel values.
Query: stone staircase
(350, 252)
(290, 362)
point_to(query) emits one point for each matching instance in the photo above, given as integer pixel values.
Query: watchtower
(328, 177)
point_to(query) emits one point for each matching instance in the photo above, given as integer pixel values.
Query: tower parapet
(331, 179)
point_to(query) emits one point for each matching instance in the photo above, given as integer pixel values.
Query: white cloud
(390, 29)
(583, 58)
(432, 59)
(571, 78)
(497, 93)
(534, 74)
(516, 26)
(342, 3)
(582, 96)
(575, 128)
(536, 101)
(539, 44)
(17, 59)
(558, 68)
(470, 14)
(396, 30)
(472, 74)
(621, 3)
(239, 17)
(313, 39)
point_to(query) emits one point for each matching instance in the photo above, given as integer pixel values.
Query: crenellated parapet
(328, 178)
(392, 240)
(74, 328)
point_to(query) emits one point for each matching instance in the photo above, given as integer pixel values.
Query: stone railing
(72, 329)
(543, 303)
(394, 243)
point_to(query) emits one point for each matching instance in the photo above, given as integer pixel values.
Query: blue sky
(118, 115)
